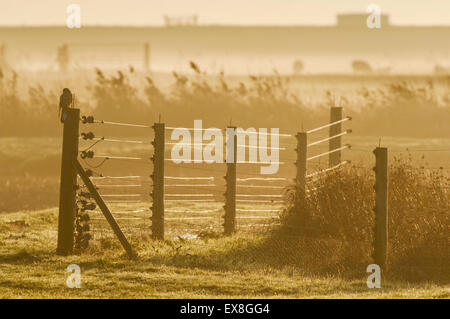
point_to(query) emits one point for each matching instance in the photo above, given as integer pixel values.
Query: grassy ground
(211, 266)
(198, 268)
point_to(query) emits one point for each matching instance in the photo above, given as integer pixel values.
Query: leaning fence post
(158, 182)
(67, 197)
(230, 193)
(381, 207)
(302, 145)
(105, 210)
(335, 143)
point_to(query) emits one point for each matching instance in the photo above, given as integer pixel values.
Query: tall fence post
(381, 207)
(302, 146)
(158, 182)
(335, 143)
(67, 193)
(147, 56)
(230, 193)
(63, 57)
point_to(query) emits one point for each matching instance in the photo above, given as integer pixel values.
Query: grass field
(198, 268)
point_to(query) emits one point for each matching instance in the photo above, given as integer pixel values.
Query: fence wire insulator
(88, 136)
(87, 119)
(85, 194)
(89, 172)
(84, 217)
(87, 154)
(83, 202)
(89, 206)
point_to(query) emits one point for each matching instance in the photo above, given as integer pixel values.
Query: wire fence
(195, 192)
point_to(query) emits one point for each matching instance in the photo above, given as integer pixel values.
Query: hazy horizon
(232, 12)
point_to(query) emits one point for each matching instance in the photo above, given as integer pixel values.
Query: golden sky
(235, 12)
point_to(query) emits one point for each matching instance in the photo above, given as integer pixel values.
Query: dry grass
(200, 268)
(331, 230)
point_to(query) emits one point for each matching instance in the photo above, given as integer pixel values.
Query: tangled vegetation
(330, 230)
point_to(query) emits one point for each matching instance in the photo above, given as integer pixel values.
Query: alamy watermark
(74, 16)
(213, 150)
(374, 19)
(374, 279)
(74, 279)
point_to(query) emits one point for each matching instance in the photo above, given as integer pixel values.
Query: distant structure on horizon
(183, 21)
(358, 20)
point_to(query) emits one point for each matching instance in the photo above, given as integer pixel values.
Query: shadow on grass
(302, 255)
(23, 257)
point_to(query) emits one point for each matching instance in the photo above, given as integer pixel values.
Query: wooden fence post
(147, 56)
(63, 57)
(335, 143)
(302, 151)
(67, 193)
(381, 207)
(158, 182)
(230, 193)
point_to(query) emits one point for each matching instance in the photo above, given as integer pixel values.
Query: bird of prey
(65, 100)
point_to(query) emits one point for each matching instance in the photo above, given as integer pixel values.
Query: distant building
(357, 20)
(183, 21)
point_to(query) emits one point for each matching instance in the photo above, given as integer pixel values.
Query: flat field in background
(323, 49)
